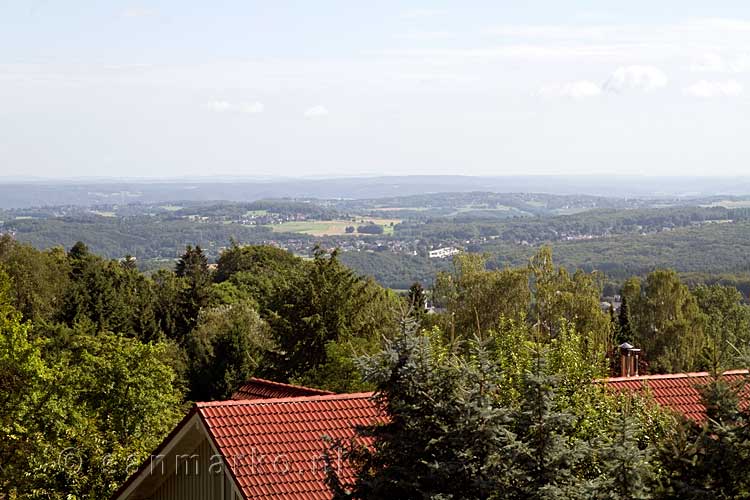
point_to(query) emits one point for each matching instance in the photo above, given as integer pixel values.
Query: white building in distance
(441, 253)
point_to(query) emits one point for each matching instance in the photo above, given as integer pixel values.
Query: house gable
(185, 466)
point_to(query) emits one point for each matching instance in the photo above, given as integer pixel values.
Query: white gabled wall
(193, 478)
(188, 467)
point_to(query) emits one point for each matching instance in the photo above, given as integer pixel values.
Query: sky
(340, 88)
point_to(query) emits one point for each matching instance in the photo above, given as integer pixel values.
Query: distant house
(441, 253)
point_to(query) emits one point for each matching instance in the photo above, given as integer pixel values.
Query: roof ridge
(669, 376)
(292, 399)
(289, 386)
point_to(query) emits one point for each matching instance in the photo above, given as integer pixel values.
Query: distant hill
(23, 194)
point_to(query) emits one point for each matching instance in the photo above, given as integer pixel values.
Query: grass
(331, 227)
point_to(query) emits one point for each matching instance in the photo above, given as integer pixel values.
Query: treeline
(143, 237)
(277, 206)
(99, 361)
(392, 270)
(706, 249)
(678, 329)
(704, 254)
(600, 222)
(447, 204)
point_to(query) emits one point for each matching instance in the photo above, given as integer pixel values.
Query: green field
(331, 227)
(730, 204)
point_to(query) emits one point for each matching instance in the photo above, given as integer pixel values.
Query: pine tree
(627, 471)
(445, 437)
(550, 457)
(417, 301)
(624, 334)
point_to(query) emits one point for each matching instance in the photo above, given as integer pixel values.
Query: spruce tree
(445, 436)
(550, 457)
(624, 334)
(627, 472)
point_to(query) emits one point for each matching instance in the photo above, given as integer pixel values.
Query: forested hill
(390, 238)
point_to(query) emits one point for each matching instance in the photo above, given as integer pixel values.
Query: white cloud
(316, 111)
(251, 107)
(219, 106)
(636, 78)
(707, 89)
(580, 89)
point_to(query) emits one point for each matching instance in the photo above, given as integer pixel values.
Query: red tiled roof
(679, 392)
(274, 447)
(258, 388)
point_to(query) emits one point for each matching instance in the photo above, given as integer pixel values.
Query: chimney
(629, 360)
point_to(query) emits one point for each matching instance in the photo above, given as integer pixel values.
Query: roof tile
(679, 392)
(275, 447)
(258, 388)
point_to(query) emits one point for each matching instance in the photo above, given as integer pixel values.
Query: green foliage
(550, 456)
(109, 296)
(628, 469)
(440, 440)
(476, 298)
(79, 413)
(39, 278)
(666, 322)
(574, 298)
(417, 300)
(623, 331)
(711, 461)
(450, 430)
(194, 293)
(262, 260)
(495, 401)
(324, 302)
(727, 327)
(225, 349)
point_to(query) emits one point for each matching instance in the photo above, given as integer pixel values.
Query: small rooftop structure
(258, 388)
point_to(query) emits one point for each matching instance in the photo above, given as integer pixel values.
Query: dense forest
(100, 361)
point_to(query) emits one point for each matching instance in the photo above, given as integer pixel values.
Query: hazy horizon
(167, 89)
